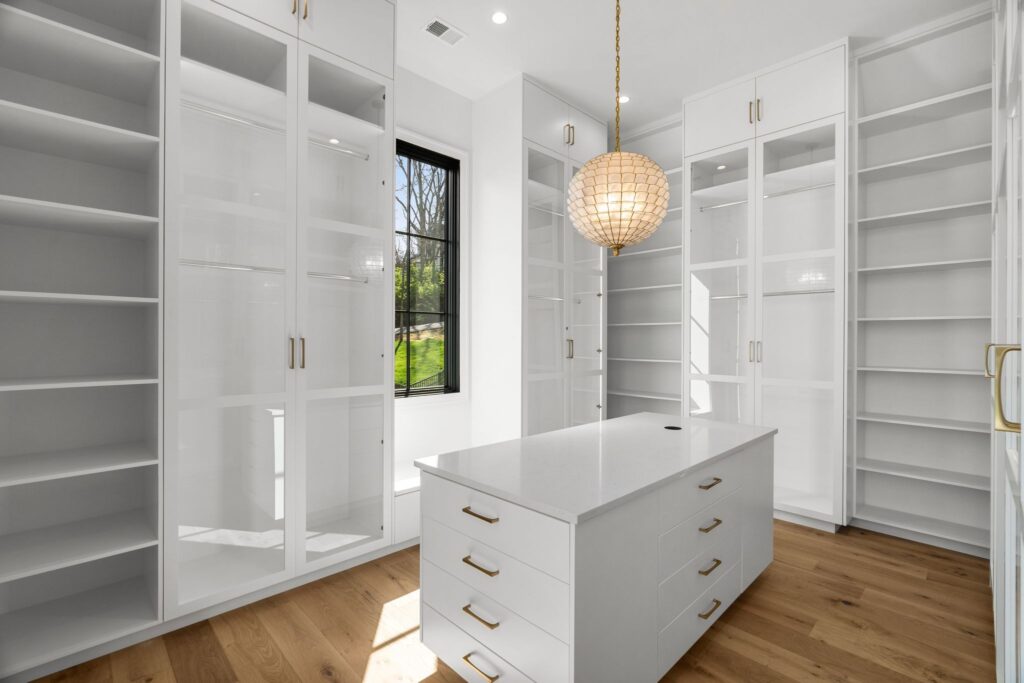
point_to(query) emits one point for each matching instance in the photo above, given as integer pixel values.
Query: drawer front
(685, 497)
(679, 590)
(538, 597)
(453, 645)
(533, 651)
(710, 527)
(679, 636)
(528, 536)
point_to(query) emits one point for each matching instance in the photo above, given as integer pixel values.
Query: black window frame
(450, 315)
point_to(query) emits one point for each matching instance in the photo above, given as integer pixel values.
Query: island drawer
(679, 590)
(680, 635)
(716, 524)
(536, 596)
(684, 497)
(461, 652)
(530, 649)
(533, 538)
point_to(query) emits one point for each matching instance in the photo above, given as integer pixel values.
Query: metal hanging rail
(344, 278)
(798, 190)
(722, 206)
(210, 111)
(216, 265)
(795, 292)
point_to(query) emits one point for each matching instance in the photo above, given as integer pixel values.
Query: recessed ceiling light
(722, 167)
(623, 99)
(334, 141)
(499, 18)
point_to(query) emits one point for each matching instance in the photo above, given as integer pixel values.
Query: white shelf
(34, 44)
(664, 324)
(733, 191)
(232, 94)
(645, 252)
(927, 215)
(325, 123)
(8, 296)
(924, 525)
(48, 631)
(655, 395)
(808, 176)
(927, 164)
(928, 422)
(644, 289)
(931, 265)
(46, 132)
(65, 545)
(921, 318)
(926, 111)
(34, 213)
(922, 371)
(16, 470)
(932, 474)
(645, 360)
(74, 382)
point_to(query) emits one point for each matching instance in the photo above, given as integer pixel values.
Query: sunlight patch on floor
(398, 656)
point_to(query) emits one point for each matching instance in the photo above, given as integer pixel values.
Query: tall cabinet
(279, 279)
(922, 275)
(765, 261)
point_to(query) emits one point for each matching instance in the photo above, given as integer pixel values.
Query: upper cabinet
(361, 31)
(802, 91)
(550, 122)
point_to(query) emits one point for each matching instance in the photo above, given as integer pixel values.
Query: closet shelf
(75, 382)
(656, 395)
(34, 44)
(46, 132)
(926, 111)
(922, 371)
(927, 164)
(675, 285)
(929, 422)
(923, 525)
(34, 213)
(16, 470)
(324, 122)
(927, 215)
(932, 474)
(228, 92)
(64, 545)
(7, 296)
(921, 318)
(646, 360)
(46, 632)
(931, 265)
(662, 324)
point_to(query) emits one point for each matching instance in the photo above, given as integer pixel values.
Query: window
(426, 272)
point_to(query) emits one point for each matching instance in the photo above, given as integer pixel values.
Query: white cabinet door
(721, 118)
(587, 138)
(802, 92)
(281, 14)
(545, 119)
(361, 31)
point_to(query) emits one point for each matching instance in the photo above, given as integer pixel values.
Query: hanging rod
(340, 150)
(722, 206)
(728, 297)
(230, 117)
(545, 298)
(228, 266)
(796, 292)
(798, 190)
(550, 211)
(346, 278)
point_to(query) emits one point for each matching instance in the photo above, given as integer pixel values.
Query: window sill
(428, 399)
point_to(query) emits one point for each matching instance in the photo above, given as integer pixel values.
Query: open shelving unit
(919, 432)
(80, 297)
(645, 296)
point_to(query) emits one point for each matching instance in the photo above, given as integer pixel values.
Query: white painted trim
(805, 521)
(928, 539)
(530, 79)
(923, 30)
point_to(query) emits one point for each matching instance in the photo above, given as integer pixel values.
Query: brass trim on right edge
(988, 370)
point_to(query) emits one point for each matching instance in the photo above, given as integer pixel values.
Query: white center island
(596, 553)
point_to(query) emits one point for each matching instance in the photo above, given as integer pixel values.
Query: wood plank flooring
(855, 606)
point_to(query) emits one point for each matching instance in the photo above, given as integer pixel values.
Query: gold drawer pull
(712, 610)
(469, 511)
(468, 559)
(714, 565)
(714, 482)
(710, 527)
(468, 609)
(474, 667)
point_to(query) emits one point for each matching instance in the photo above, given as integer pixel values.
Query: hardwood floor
(856, 606)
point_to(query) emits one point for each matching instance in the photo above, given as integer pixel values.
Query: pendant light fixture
(619, 198)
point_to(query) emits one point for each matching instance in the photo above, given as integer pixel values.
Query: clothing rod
(545, 298)
(722, 206)
(340, 150)
(796, 292)
(229, 266)
(346, 278)
(230, 117)
(798, 190)
(727, 297)
(543, 210)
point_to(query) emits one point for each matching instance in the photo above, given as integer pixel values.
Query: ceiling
(670, 48)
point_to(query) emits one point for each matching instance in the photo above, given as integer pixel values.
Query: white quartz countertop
(577, 473)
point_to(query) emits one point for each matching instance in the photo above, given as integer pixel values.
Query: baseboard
(927, 539)
(806, 521)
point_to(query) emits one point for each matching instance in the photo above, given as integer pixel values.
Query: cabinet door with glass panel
(230, 282)
(344, 290)
(719, 317)
(800, 313)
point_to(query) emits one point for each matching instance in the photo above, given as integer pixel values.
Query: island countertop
(577, 473)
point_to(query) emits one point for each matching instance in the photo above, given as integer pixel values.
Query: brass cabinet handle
(988, 370)
(295, 6)
(572, 134)
(750, 112)
(750, 351)
(714, 482)
(758, 104)
(468, 609)
(291, 353)
(712, 610)
(468, 559)
(565, 134)
(713, 567)
(759, 356)
(488, 677)
(305, 9)
(572, 349)
(302, 353)
(711, 527)
(1001, 423)
(490, 520)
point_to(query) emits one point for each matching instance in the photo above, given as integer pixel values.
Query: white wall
(434, 117)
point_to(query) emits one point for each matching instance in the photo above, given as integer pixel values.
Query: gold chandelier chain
(618, 71)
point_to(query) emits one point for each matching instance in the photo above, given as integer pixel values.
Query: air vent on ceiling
(445, 31)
